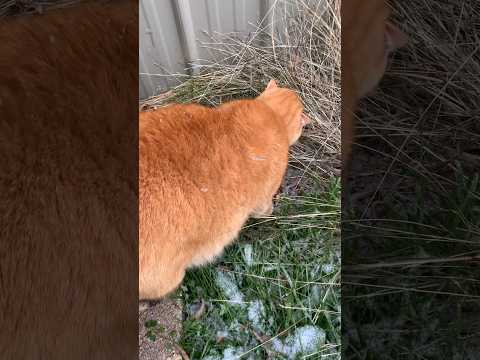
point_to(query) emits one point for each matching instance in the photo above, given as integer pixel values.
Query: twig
(410, 262)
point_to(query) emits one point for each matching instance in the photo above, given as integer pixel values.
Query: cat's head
(368, 38)
(287, 105)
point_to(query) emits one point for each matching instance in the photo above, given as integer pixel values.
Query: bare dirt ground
(159, 330)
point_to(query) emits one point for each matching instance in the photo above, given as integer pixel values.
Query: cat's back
(171, 137)
(186, 136)
(195, 155)
(174, 124)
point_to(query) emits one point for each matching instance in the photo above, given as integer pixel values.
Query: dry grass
(22, 7)
(424, 117)
(411, 247)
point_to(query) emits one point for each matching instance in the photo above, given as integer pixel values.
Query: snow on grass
(305, 340)
(227, 283)
(328, 268)
(211, 357)
(230, 353)
(316, 295)
(222, 334)
(256, 315)
(248, 254)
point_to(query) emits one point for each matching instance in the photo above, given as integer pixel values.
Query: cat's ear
(272, 84)
(394, 37)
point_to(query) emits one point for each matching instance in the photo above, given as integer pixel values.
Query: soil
(168, 314)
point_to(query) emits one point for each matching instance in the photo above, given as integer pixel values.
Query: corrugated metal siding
(171, 32)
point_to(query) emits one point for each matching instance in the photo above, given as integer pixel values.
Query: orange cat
(203, 173)
(367, 40)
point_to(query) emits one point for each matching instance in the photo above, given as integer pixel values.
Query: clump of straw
(21, 7)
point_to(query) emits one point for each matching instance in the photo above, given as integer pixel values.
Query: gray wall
(171, 32)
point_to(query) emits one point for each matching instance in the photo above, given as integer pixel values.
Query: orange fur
(367, 40)
(203, 173)
(68, 184)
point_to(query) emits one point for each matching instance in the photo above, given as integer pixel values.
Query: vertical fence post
(187, 31)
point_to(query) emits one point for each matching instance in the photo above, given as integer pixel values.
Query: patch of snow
(305, 340)
(315, 271)
(327, 268)
(315, 295)
(211, 357)
(232, 353)
(256, 314)
(248, 254)
(235, 324)
(270, 268)
(222, 334)
(194, 308)
(226, 282)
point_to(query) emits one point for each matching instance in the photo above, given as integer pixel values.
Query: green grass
(412, 281)
(289, 250)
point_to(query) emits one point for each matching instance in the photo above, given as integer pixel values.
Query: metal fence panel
(171, 32)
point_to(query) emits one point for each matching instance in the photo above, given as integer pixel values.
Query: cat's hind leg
(163, 283)
(263, 210)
